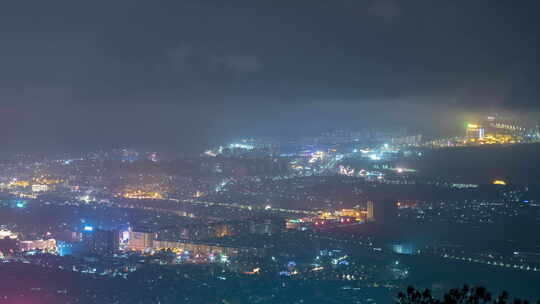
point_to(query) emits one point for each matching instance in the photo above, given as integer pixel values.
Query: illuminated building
(348, 171)
(68, 236)
(293, 224)
(494, 130)
(222, 230)
(370, 211)
(350, 213)
(129, 155)
(206, 249)
(68, 248)
(317, 156)
(19, 183)
(511, 127)
(140, 240)
(299, 224)
(475, 132)
(327, 216)
(374, 157)
(328, 219)
(4, 233)
(102, 241)
(203, 231)
(241, 146)
(140, 194)
(266, 226)
(40, 188)
(86, 198)
(348, 220)
(382, 211)
(46, 181)
(413, 140)
(45, 245)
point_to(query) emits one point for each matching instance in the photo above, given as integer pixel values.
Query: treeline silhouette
(464, 295)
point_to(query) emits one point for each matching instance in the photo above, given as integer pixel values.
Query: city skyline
(269, 152)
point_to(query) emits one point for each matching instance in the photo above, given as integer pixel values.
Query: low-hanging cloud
(193, 59)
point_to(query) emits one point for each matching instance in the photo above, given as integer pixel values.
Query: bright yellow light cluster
(140, 194)
(47, 181)
(327, 216)
(4, 233)
(494, 139)
(350, 212)
(356, 214)
(499, 182)
(20, 183)
(254, 271)
(177, 251)
(499, 139)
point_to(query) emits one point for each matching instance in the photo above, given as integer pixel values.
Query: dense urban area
(341, 217)
(269, 152)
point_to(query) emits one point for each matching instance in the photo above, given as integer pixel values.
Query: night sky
(184, 74)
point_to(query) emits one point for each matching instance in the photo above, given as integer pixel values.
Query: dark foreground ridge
(466, 294)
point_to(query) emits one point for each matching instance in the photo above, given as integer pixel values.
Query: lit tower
(384, 210)
(475, 131)
(370, 211)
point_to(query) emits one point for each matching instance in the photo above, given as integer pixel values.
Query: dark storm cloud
(140, 72)
(189, 62)
(387, 10)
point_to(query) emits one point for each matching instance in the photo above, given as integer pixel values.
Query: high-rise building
(140, 240)
(102, 241)
(475, 132)
(266, 226)
(224, 229)
(384, 211)
(370, 211)
(202, 248)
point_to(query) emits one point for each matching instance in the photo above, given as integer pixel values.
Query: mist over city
(376, 151)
